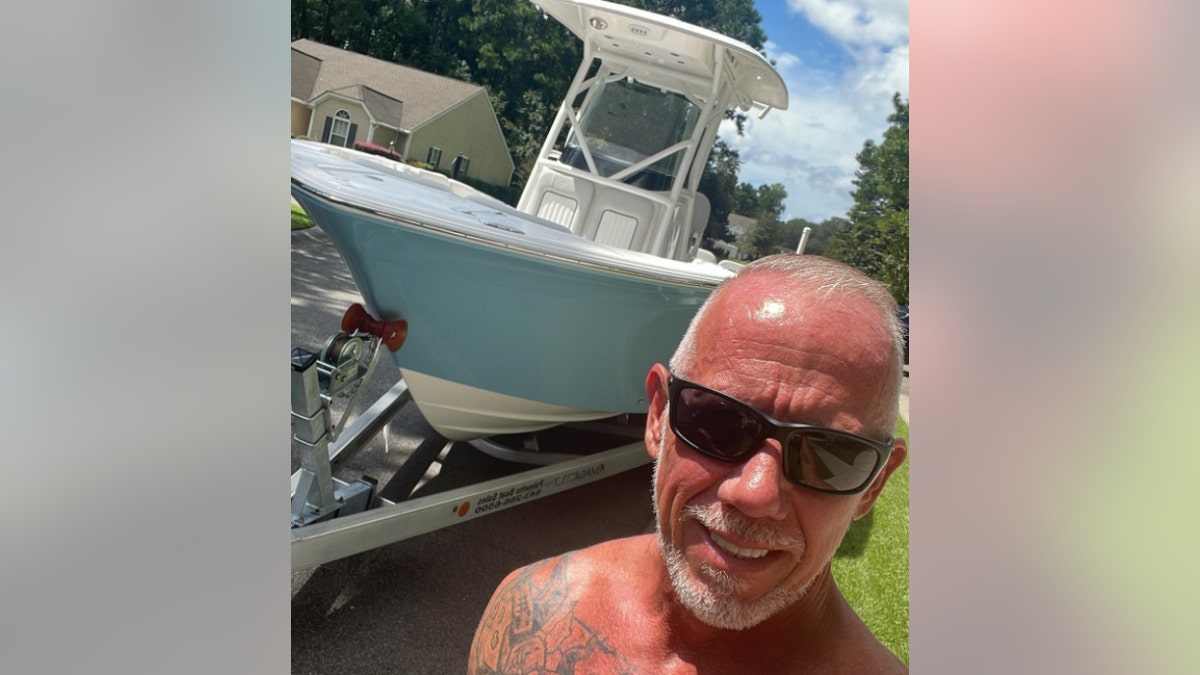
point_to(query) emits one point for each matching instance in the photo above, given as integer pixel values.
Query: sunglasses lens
(829, 462)
(721, 427)
(715, 425)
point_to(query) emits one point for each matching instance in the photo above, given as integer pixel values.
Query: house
(341, 97)
(739, 224)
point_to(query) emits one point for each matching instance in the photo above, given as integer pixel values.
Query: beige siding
(329, 108)
(469, 129)
(384, 136)
(300, 116)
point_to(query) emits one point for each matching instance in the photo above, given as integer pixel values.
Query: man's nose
(757, 487)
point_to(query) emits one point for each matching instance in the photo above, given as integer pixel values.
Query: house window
(434, 157)
(339, 134)
(459, 166)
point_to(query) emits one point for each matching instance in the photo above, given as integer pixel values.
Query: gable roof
(305, 68)
(395, 95)
(740, 223)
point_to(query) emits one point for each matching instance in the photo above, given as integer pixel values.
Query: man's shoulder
(541, 615)
(861, 650)
(612, 557)
(579, 572)
(882, 661)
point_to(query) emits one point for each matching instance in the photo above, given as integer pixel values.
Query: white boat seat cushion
(616, 229)
(557, 208)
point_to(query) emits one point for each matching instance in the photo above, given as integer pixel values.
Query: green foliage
(876, 239)
(526, 61)
(818, 238)
(891, 238)
(882, 177)
(765, 204)
(764, 237)
(790, 233)
(300, 219)
(525, 138)
(770, 200)
(718, 183)
(745, 200)
(823, 232)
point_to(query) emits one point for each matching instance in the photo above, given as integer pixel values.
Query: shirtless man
(750, 503)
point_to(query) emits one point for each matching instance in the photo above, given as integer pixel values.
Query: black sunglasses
(817, 458)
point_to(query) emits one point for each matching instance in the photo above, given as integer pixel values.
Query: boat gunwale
(402, 221)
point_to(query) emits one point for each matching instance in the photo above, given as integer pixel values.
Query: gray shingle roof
(395, 95)
(305, 68)
(383, 107)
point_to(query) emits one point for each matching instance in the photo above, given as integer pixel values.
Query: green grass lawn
(300, 219)
(871, 567)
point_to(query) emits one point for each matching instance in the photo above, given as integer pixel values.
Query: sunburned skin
(578, 614)
(770, 310)
(531, 627)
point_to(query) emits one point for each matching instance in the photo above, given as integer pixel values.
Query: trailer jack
(332, 519)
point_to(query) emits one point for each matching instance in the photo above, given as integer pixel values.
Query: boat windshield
(626, 122)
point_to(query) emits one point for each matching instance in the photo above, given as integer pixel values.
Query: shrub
(377, 150)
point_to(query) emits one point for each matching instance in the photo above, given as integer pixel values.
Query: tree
(876, 240)
(822, 232)
(763, 238)
(882, 176)
(765, 204)
(718, 184)
(770, 200)
(525, 139)
(792, 231)
(892, 242)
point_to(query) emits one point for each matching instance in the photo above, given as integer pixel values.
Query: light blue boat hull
(496, 299)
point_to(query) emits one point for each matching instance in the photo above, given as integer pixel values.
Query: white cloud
(786, 61)
(857, 22)
(810, 147)
(884, 74)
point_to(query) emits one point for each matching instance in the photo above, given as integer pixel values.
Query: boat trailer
(333, 519)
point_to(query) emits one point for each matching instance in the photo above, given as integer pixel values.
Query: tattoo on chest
(532, 628)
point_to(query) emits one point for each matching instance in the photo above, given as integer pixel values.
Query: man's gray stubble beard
(713, 597)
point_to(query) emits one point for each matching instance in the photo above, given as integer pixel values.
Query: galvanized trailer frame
(333, 519)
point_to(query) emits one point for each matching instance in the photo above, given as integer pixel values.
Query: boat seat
(561, 197)
(624, 221)
(557, 208)
(602, 213)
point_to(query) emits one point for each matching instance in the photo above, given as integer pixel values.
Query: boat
(521, 319)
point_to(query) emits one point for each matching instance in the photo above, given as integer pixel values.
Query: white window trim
(340, 119)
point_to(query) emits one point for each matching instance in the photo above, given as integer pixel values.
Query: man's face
(740, 540)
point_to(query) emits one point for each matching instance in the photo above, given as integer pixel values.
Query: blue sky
(842, 60)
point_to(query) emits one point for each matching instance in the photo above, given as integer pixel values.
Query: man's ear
(899, 452)
(656, 394)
